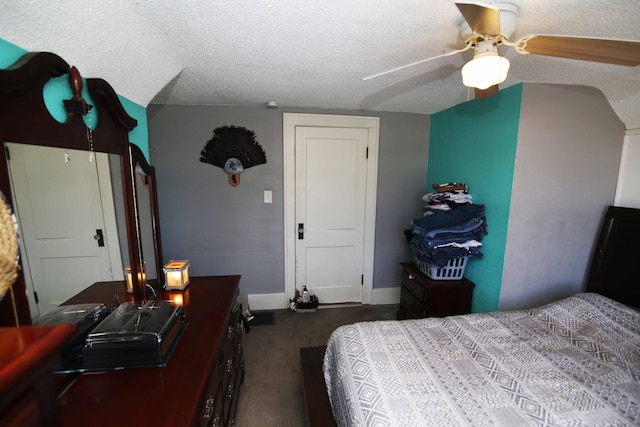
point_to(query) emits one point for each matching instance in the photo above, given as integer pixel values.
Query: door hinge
(35, 295)
(6, 150)
(367, 155)
(362, 279)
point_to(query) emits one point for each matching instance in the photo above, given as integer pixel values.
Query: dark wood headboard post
(615, 267)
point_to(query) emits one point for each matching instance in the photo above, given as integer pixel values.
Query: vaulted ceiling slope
(303, 53)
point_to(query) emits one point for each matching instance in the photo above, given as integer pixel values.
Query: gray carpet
(272, 393)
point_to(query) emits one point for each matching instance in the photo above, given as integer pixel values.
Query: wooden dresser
(421, 296)
(27, 387)
(201, 382)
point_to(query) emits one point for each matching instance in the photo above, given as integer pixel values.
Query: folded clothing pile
(446, 234)
(447, 196)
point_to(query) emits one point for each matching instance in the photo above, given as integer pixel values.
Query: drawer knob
(208, 408)
(230, 391)
(411, 277)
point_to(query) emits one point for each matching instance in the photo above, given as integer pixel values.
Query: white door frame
(290, 122)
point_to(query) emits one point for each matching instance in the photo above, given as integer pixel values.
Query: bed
(574, 362)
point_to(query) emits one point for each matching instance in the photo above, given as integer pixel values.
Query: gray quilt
(575, 362)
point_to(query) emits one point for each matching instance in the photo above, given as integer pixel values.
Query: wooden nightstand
(421, 296)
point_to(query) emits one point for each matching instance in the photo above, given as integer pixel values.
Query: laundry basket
(454, 270)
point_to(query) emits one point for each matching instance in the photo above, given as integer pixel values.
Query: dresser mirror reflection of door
(66, 205)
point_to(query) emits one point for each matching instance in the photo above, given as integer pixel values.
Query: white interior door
(331, 176)
(59, 208)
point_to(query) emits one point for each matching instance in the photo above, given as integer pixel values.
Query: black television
(615, 267)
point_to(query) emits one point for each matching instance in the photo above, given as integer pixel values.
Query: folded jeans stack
(444, 235)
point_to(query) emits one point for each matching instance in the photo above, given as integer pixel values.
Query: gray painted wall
(567, 160)
(225, 230)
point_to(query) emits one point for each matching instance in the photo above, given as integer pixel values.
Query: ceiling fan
(488, 26)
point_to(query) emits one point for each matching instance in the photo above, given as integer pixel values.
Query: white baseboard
(276, 301)
(266, 301)
(386, 295)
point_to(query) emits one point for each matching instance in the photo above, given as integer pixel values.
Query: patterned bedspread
(575, 362)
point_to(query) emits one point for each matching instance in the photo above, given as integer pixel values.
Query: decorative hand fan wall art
(234, 149)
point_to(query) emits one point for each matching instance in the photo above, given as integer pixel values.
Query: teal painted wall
(140, 134)
(9, 53)
(58, 89)
(475, 143)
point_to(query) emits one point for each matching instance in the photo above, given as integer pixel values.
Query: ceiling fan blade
(482, 18)
(608, 51)
(402, 67)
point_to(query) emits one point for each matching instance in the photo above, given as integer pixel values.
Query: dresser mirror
(66, 209)
(146, 197)
(27, 130)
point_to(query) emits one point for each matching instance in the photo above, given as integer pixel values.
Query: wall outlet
(268, 197)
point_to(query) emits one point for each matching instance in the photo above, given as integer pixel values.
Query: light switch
(268, 198)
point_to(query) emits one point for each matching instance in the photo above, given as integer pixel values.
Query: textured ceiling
(303, 53)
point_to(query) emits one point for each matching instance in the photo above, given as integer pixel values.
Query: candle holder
(128, 276)
(176, 275)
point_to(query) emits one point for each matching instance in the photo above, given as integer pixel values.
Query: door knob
(99, 238)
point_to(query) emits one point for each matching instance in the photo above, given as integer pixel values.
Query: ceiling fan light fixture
(485, 70)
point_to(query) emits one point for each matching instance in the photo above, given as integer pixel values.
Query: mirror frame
(138, 159)
(24, 119)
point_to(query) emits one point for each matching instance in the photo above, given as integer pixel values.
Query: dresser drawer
(230, 412)
(211, 414)
(412, 307)
(412, 284)
(211, 407)
(421, 296)
(449, 299)
(230, 397)
(222, 389)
